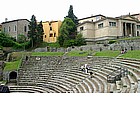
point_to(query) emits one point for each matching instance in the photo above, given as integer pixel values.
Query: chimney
(6, 19)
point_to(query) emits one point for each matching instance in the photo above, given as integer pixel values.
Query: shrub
(112, 41)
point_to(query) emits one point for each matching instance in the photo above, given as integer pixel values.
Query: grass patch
(45, 44)
(135, 54)
(107, 53)
(12, 65)
(79, 53)
(47, 53)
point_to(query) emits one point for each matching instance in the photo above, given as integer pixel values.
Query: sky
(47, 10)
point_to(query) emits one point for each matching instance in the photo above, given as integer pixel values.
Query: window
(112, 24)
(81, 28)
(9, 29)
(54, 34)
(4, 29)
(100, 25)
(50, 28)
(138, 27)
(15, 28)
(51, 35)
(45, 36)
(25, 28)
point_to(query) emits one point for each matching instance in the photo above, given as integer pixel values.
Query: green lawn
(135, 54)
(79, 53)
(47, 53)
(12, 65)
(108, 53)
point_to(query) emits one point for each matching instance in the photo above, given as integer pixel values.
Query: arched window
(9, 29)
(15, 28)
(25, 28)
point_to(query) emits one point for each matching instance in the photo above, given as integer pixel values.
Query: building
(100, 28)
(16, 27)
(0, 27)
(51, 30)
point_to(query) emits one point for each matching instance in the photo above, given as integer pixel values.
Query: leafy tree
(21, 38)
(6, 41)
(32, 33)
(71, 15)
(80, 40)
(67, 31)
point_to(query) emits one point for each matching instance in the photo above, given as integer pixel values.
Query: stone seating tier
(65, 74)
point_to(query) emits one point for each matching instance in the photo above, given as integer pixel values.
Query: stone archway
(13, 76)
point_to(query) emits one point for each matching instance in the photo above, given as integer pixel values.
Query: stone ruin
(1, 70)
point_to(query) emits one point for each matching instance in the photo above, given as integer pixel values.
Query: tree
(80, 40)
(32, 33)
(21, 38)
(40, 32)
(71, 15)
(67, 31)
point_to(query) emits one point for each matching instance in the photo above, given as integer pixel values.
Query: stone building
(99, 28)
(0, 27)
(16, 27)
(51, 30)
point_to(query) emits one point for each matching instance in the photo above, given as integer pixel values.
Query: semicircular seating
(57, 74)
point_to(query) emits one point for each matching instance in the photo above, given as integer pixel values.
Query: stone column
(125, 29)
(131, 29)
(134, 29)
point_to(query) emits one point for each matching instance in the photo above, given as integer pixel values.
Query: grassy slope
(79, 53)
(135, 54)
(107, 53)
(47, 53)
(15, 64)
(12, 65)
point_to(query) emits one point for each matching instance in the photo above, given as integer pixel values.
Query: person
(125, 50)
(86, 69)
(82, 68)
(26, 58)
(131, 48)
(90, 73)
(122, 52)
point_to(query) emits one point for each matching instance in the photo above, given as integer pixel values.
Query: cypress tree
(71, 15)
(32, 33)
(40, 33)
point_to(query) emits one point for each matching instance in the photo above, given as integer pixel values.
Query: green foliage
(21, 38)
(79, 40)
(107, 53)
(68, 43)
(55, 44)
(112, 41)
(12, 65)
(71, 15)
(47, 53)
(40, 33)
(67, 32)
(79, 53)
(35, 32)
(1, 47)
(32, 33)
(135, 54)
(7, 41)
